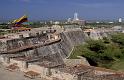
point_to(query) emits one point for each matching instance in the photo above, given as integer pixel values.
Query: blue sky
(62, 9)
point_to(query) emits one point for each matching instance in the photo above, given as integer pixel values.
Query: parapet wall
(11, 44)
(69, 39)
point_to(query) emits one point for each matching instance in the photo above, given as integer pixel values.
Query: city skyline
(62, 9)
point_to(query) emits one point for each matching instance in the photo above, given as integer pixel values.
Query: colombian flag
(22, 19)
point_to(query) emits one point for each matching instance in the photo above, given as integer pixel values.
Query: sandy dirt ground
(16, 75)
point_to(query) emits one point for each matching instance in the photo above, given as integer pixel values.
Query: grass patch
(118, 65)
(77, 51)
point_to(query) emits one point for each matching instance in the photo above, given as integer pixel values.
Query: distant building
(76, 20)
(56, 22)
(75, 17)
(80, 22)
(117, 28)
(69, 20)
(111, 22)
(97, 22)
(120, 20)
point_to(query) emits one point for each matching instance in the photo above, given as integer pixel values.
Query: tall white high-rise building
(120, 20)
(76, 17)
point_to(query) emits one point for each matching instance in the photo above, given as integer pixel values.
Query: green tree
(118, 38)
(99, 53)
(96, 46)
